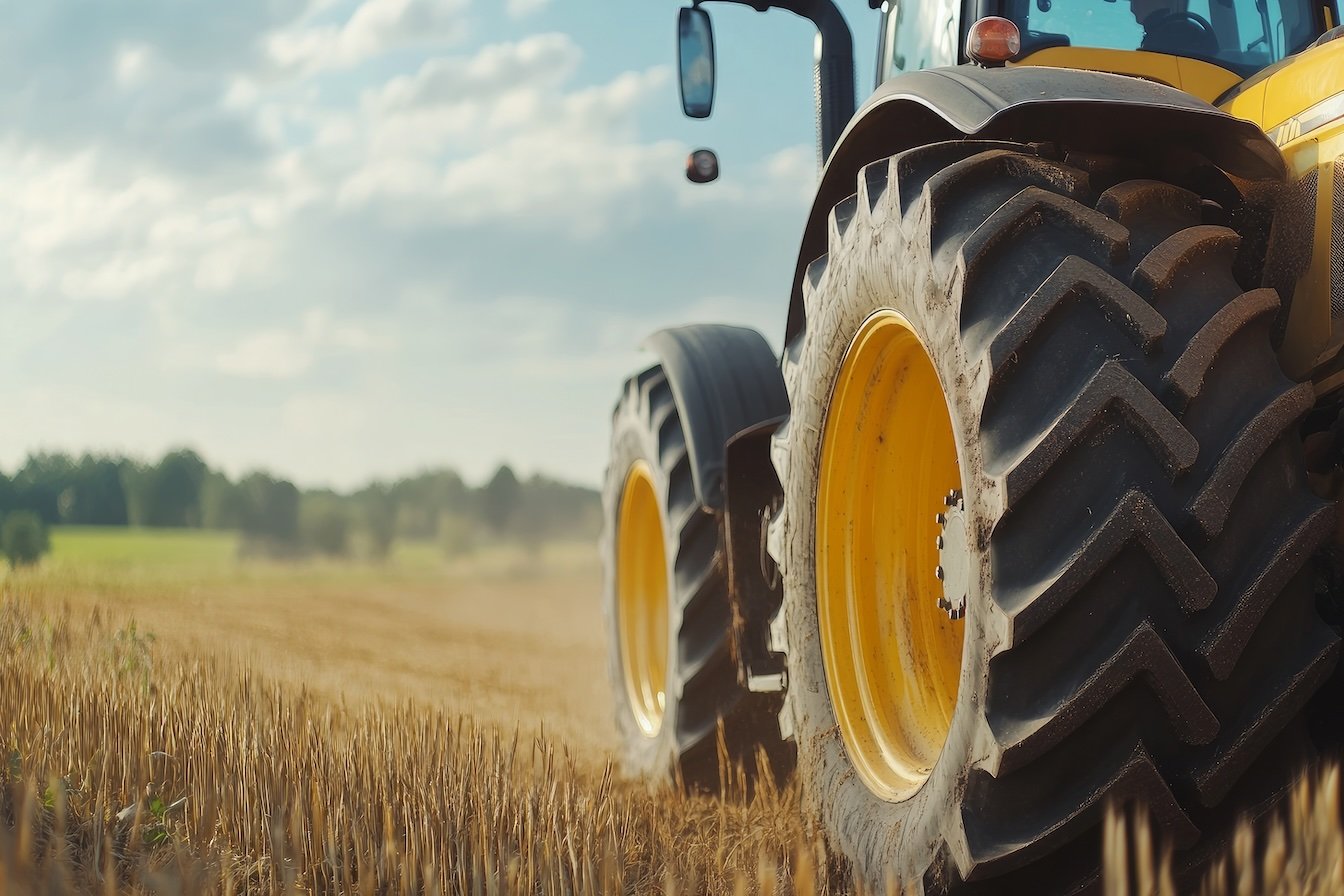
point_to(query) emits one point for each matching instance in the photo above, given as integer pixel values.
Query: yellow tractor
(1037, 511)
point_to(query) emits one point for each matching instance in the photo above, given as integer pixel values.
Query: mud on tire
(1140, 624)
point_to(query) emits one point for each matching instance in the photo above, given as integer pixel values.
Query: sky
(348, 239)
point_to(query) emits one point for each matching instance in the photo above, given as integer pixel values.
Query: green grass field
(114, 553)
(115, 547)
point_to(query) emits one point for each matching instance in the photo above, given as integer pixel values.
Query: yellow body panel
(888, 459)
(1312, 76)
(1248, 103)
(1202, 79)
(1299, 106)
(1312, 338)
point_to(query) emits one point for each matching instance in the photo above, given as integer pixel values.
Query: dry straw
(128, 768)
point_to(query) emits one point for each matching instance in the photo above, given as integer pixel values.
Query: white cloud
(269, 354)
(492, 72)
(509, 148)
(131, 64)
(116, 277)
(284, 353)
(375, 27)
(522, 9)
(794, 168)
(83, 227)
(266, 222)
(322, 415)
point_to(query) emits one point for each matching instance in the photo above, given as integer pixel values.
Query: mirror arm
(834, 72)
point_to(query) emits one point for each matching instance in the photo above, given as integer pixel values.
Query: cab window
(919, 34)
(1241, 35)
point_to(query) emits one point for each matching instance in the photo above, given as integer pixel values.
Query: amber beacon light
(993, 41)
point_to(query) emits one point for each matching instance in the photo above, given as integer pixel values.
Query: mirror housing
(695, 61)
(702, 166)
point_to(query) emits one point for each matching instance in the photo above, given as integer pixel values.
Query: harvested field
(161, 746)
(288, 791)
(505, 638)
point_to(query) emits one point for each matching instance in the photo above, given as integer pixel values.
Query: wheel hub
(954, 560)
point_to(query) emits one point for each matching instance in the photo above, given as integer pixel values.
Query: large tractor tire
(1046, 529)
(682, 705)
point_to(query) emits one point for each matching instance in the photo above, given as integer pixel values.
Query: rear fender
(1087, 111)
(724, 379)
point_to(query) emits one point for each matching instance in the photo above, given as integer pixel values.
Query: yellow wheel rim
(641, 598)
(888, 460)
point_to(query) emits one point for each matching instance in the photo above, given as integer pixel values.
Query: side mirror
(702, 166)
(695, 62)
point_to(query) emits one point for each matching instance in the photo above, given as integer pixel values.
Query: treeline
(275, 517)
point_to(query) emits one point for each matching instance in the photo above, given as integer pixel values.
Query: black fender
(1088, 111)
(725, 380)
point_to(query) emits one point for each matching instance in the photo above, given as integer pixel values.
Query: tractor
(1035, 513)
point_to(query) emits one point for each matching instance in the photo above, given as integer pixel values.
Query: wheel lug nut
(939, 541)
(938, 572)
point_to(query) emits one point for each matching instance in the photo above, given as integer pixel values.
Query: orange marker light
(993, 41)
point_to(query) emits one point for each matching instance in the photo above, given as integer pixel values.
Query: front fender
(1087, 111)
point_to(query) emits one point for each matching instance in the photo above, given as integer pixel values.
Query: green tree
(324, 524)
(223, 504)
(178, 488)
(270, 522)
(499, 500)
(424, 498)
(94, 494)
(41, 480)
(23, 538)
(167, 493)
(8, 495)
(380, 519)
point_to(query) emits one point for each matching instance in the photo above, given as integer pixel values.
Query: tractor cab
(1204, 47)
(1275, 63)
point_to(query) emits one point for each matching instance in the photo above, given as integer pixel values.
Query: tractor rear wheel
(682, 707)
(1045, 528)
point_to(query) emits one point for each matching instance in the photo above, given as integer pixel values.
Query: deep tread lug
(1135, 521)
(999, 164)
(1215, 780)
(1160, 269)
(1076, 280)
(1214, 502)
(1128, 201)
(873, 184)
(1137, 780)
(1027, 210)
(1186, 376)
(841, 216)
(1143, 655)
(1223, 648)
(1111, 388)
(915, 166)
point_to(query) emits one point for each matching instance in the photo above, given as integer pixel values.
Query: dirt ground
(507, 641)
